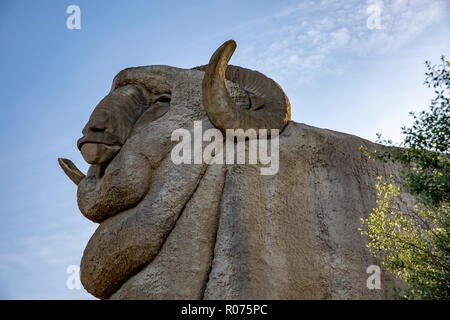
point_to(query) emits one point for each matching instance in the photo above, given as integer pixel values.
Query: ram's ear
(71, 170)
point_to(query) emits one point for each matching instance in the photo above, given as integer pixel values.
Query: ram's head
(132, 188)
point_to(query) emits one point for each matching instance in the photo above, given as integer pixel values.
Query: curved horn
(273, 110)
(71, 170)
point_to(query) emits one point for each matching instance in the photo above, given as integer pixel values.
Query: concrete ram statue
(212, 230)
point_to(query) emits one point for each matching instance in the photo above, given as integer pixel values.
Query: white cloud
(314, 35)
(309, 34)
(339, 38)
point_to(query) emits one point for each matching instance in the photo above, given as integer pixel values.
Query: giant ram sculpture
(220, 231)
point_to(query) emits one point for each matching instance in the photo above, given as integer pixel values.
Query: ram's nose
(97, 123)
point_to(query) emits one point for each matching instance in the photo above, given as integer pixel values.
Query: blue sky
(338, 74)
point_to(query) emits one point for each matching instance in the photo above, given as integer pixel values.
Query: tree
(412, 241)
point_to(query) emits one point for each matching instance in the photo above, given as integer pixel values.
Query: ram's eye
(162, 99)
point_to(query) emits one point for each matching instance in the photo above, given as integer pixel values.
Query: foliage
(412, 241)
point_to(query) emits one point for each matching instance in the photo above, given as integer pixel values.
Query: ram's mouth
(107, 144)
(98, 153)
(101, 138)
(99, 148)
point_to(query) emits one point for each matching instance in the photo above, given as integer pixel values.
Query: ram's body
(226, 231)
